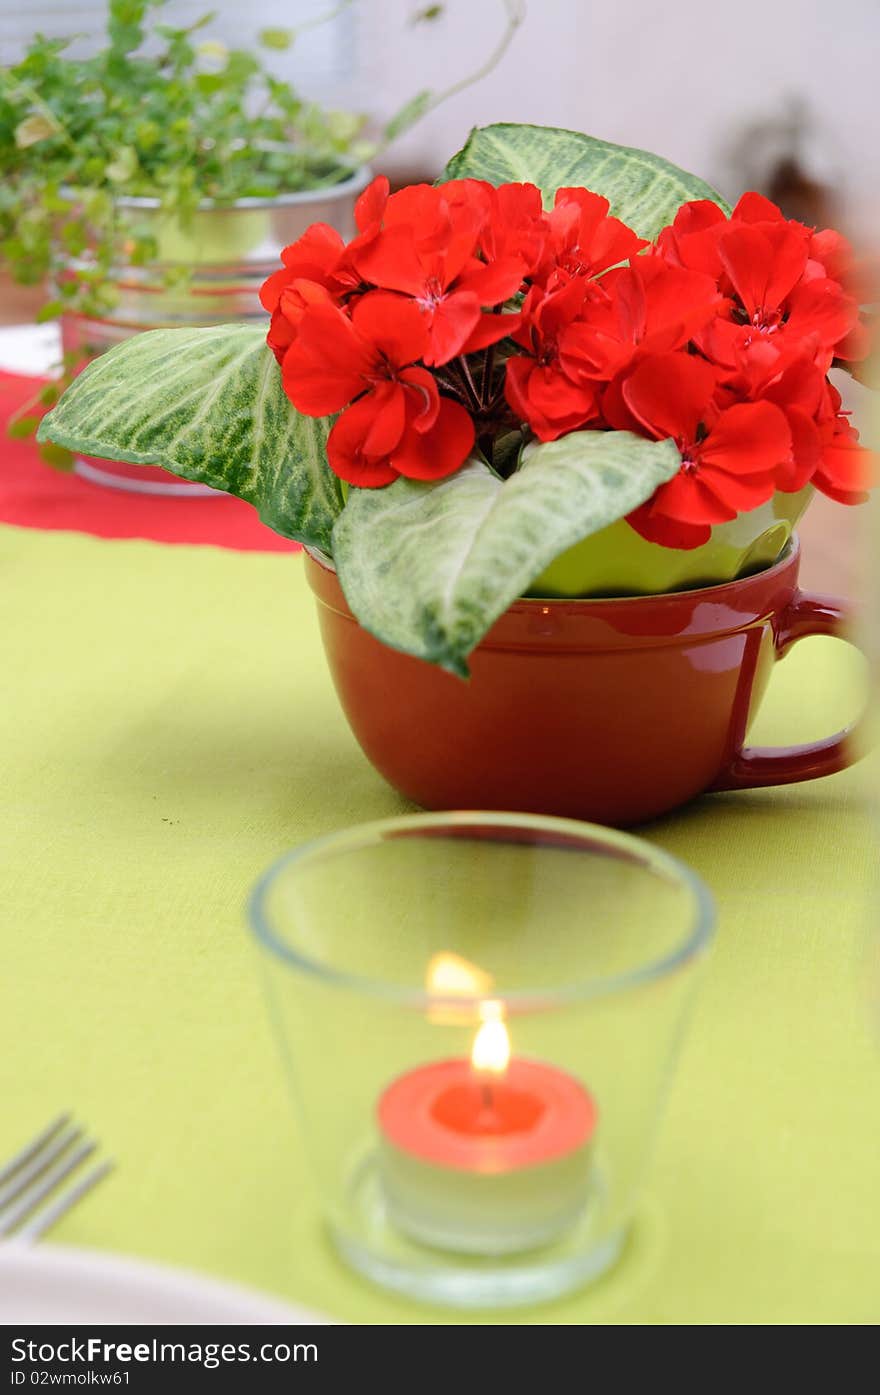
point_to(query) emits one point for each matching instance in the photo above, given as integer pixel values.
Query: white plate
(51, 1284)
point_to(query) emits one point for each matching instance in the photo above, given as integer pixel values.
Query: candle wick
(487, 1095)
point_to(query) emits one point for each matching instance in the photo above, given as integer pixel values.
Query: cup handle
(751, 767)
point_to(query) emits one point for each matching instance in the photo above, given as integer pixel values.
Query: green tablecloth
(169, 728)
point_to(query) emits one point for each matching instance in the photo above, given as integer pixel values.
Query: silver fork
(30, 1199)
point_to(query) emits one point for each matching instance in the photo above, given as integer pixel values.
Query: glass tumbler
(479, 1014)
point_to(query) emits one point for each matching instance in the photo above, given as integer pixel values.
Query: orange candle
(489, 1155)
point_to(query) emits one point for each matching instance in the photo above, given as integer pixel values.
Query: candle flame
(491, 1049)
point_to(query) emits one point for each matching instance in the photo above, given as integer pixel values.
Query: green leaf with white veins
(208, 405)
(643, 190)
(428, 568)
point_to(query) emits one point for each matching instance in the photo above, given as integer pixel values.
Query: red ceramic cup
(608, 710)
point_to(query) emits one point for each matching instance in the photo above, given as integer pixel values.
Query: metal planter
(227, 252)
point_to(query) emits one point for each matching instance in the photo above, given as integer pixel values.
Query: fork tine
(37, 1164)
(45, 1183)
(35, 1146)
(46, 1217)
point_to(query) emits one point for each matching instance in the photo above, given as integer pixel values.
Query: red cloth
(33, 495)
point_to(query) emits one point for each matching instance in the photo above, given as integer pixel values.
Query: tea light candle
(489, 1155)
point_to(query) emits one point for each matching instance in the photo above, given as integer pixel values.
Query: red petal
(800, 384)
(583, 233)
(655, 527)
(856, 345)
(754, 208)
(451, 323)
(556, 396)
(441, 234)
(387, 401)
(613, 242)
(794, 473)
(846, 471)
(298, 296)
(490, 329)
(517, 374)
(345, 452)
(820, 307)
(585, 350)
(393, 324)
(530, 389)
(454, 248)
(723, 342)
(320, 246)
(592, 207)
(677, 304)
(698, 216)
(686, 497)
(748, 439)
(614, 409)
(552, 311)
(494, 283)
(328, 364)
(738, 493)
(270, 291)
(423, 398)
(763, 263)
(692, 240)
(669, 394)
(475, 194)
(371, 204)
(391, 261)
(414, 203)
(516, 226)
(281, 335)
(440, 451)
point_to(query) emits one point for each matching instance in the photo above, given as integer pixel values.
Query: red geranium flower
(516, 225)
(318, 266)
(691, 239)
(719, 337)
(766, 265)
(426, 248)
(829, 255)
(584, 239)
(846, 470)
(777, 288)
(320, 259)
(729, 456)
(649, 305)
(397, 423)
(536, 383)
(833, 257)
(793, 383)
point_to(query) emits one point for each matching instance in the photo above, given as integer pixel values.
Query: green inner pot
(618, 562)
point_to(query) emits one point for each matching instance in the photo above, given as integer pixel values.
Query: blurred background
(770, 94)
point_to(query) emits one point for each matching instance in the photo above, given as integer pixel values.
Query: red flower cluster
(720, 336)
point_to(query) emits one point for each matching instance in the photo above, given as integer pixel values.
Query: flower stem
(486, 380)
(464, 368)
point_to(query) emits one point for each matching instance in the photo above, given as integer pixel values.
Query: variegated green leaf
(428, 568)
(643, 190)
(206, 404)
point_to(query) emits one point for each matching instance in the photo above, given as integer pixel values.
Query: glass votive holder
(479, 1013)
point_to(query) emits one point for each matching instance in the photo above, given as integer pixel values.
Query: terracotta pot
(608, 710)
